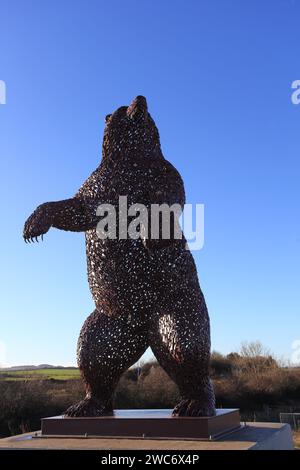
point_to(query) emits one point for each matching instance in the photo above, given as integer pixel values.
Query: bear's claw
(38, 223)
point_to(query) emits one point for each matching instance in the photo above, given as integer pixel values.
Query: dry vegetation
(296, 436)
(251, 380)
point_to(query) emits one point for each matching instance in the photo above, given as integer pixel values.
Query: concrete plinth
(252, 436)
(144, 423)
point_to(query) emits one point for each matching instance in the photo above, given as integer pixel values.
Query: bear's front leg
(74, 214)
(39, 222)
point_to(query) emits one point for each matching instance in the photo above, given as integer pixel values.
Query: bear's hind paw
(88, 407)
(191, 407)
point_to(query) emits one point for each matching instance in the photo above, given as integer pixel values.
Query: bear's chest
(133, 181)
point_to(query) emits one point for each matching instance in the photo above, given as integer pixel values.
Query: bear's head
(130, 132)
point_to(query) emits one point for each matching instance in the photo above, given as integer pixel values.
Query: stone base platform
(253, 436)
(145, 424)
(250, 436)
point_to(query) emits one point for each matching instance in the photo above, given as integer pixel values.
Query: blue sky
(217, 76)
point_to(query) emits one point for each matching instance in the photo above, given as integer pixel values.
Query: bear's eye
(107, 117)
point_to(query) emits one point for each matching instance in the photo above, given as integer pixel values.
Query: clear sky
(217, 76)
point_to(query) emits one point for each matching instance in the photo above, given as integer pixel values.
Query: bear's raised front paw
(88, 407)
(38, 223)
(191, 407)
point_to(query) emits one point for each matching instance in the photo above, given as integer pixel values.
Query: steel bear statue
(146, 292)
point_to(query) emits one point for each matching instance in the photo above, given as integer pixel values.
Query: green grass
(41, 374)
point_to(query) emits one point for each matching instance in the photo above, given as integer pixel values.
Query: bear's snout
(138, 107)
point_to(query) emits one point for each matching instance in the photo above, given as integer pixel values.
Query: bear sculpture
(146, 291)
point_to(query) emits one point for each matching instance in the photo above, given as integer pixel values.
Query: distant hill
(31, 367)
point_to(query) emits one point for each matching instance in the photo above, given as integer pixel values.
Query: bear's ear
(107, 117)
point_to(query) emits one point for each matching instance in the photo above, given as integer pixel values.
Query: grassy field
(41, 374)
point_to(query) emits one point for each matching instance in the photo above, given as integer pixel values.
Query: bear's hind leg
(107, 347)
(180, 340)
